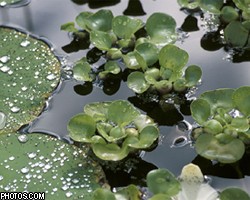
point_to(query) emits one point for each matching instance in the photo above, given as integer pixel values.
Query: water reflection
(166, 114)
(134, 8)
(190, 24)
(236, 170)
(132, 170)
(97, 3)
(80, 42)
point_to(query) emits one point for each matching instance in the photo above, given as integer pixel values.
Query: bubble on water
(22, 138)
(2, 120)
(25, 43)
(180, 141)
(4, 59)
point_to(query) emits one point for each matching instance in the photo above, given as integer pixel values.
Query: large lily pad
(29, 71)
(40, 163)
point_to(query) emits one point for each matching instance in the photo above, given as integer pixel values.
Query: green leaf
(124, 27)
(163, 86)
(229, 14)
(112, 67)
(146, 138)
(110, 133)
(240, 124)
(211, 5)
(241, 98)
(152, 75)
(103, 194)
(80, 19)
(189, 4)
(234, 193)
(213, 126)
(160, 197)
(193, 74)
(200, 111)
(70, 27)
(242, 4)
(137, 82)
(180, 85)
(97, 110)
(161, 28)
(82, 127)
(130, 60)
(236, 34)
(127, 112)
(37, 162)
(99, 21)
(82, 71)
(162, 181)
(173, 57)
(101, 40)
(110, 151)
(29, 71)
(209, 147)
(149, 52)
(130, 192)
(219, 98)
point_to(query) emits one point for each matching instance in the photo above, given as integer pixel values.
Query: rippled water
(44, 18)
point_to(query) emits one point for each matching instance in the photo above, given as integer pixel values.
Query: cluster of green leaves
(163, 185)
(234, 13)
(223, 115)
(114, 34)
(114, 129)
(170, 76)
(154, 68)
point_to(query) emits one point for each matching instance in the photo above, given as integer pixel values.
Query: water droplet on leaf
(22, 138)
(4, 59)
(25, 43)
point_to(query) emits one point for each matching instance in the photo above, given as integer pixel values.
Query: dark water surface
(44, 17)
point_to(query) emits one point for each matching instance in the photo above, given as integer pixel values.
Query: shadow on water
(93, 4)
(236, 170)
(134, 8)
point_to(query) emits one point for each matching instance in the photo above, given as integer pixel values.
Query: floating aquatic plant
(171, 76)
(29, 71)
(114, 129)
(41, 163)
(163, 185)
(116, 35)
(117, 38)
(234, 18)
(223, 116)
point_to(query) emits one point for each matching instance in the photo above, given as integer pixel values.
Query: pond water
(43, 18)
